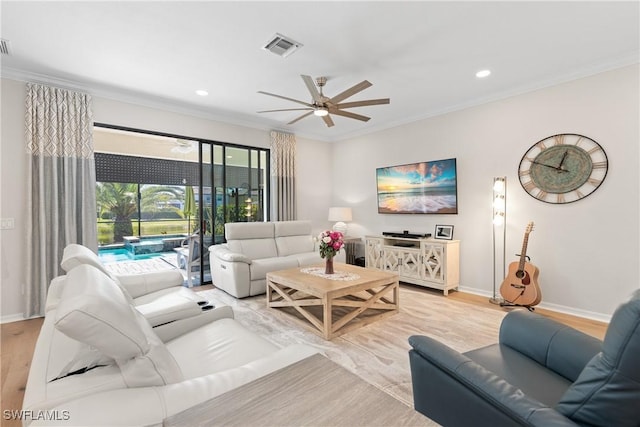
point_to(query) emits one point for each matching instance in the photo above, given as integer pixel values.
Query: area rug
(378, 352)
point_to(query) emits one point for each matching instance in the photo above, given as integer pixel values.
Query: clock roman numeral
(579, 140)
(542, 195)
(594, 181)
(529, 186)
(560, 198)
(541, 145)
(579, 194)
(525, 172)
(594, 149)
(558, 140)
(599, 165)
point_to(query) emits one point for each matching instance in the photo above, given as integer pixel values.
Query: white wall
(313, 194)
(13, 199)
(587, 251)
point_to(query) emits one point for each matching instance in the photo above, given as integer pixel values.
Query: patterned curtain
(62, 200)
(283, 169)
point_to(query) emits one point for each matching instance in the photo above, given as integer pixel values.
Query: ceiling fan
(183, 146)
(322, 106)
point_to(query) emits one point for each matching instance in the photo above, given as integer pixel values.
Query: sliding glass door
(163, 188)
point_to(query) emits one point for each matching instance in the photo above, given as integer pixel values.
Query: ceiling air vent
(281, 45)
(4, 47)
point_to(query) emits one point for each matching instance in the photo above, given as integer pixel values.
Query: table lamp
(340, 215)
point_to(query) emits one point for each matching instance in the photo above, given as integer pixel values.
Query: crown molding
(146, 100)
(152, 101)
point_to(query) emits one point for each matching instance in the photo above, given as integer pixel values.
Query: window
(151, 185)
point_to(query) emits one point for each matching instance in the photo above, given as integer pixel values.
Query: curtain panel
(283, 171)
(61, 199)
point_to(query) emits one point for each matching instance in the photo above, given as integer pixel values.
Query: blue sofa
(541, 373)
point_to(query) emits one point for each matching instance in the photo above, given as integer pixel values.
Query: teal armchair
(541, 373)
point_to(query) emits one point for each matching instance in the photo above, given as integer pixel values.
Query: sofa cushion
(75, 255)
(253, 239)
(260, 267)
(522, 372)
(254, 248)
(94, 311)
(290, 245)
(292, 228)
(220, 345)
(560, 348)
(248, 230)
(607, 392)
(307, 258)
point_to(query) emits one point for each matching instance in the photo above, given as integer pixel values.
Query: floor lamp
(499, 203)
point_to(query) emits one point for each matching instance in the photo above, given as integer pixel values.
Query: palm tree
(120, 200)
(160, 198)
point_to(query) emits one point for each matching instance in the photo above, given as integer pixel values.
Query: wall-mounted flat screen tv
(418, 188)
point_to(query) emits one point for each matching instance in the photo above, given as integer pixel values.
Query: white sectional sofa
(159, 296)
(98, 361)
(240, 266)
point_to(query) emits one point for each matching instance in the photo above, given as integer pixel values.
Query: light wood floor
(19, 338)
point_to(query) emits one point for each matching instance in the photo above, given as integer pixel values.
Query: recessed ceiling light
(202, 92)
(483, 73)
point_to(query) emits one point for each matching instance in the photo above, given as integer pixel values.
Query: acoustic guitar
(520, 287)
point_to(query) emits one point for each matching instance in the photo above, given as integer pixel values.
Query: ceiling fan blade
(312, 88)
(350, 92)
(284, 97)
(327, 120)
(300, 118)
(348, 114)
(363, 103)
(285, 109)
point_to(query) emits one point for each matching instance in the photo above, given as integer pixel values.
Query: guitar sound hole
(519, 274)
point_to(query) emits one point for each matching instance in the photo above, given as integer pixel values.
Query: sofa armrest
(444, 381)
(558, 347)
(54, 293)
(142, 284)
(223, 253)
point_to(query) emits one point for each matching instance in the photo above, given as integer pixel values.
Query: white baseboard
(16, 318)
(12, 318)
(600, 317)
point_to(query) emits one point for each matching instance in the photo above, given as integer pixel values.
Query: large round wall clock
(563, 168)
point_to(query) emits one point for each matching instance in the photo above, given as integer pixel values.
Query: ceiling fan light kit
(322, 106)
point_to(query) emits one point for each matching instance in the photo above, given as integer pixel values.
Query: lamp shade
(340, 214)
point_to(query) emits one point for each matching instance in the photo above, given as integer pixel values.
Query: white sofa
(253, 249)
(98, 361)
(159, 296)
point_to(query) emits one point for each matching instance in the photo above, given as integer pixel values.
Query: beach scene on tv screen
(425, 187)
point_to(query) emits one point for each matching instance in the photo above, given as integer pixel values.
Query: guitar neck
(523, 252)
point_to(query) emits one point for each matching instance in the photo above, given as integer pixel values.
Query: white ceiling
(421, 54)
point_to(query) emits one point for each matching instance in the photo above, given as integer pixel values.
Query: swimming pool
(122, 254)
(146, 245)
